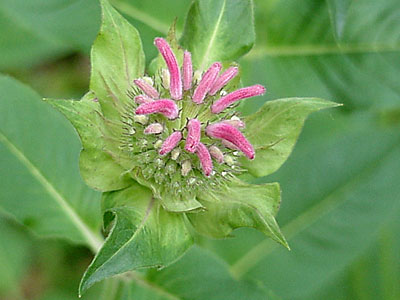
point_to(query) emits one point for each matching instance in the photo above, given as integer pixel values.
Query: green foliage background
(340, 186)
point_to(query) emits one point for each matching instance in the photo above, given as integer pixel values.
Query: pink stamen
(205, 159)
(187, 70)
(175, 86)
(239, 94)
(222, 80)
(166, 107)
(154, 128)
(147, 88)
(217, 154)
(140, 99)
(206, 83)
(227, 132)
(193, 137)
(170, 142)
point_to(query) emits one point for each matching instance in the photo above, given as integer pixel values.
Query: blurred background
(341, 185)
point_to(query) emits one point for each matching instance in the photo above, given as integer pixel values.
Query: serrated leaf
(144, 235)
(117, 59)
(97, 167)
(40, 185)
(274, 130)
(239, 205)
(218, 30)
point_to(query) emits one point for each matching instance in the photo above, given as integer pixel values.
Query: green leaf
(338, 11)
(153, 18)
(240, 205)
(296, 57)
(331, 211)
(98, 168)
(14, 258)
(274, 130)
(181, 281)
(218, 30)
(144, 235)
(40, 185)
(117, 59)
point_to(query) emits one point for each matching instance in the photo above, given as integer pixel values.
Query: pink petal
(217, 154)
(187, 71)
(239, 94)
(222, 80)
(193, 137)
(206, 83)
(175, 86)
(166, 107)
(229, 133)
(205, 159)
(140, 99)
(154, 128)
(170, 142)
(147, 88)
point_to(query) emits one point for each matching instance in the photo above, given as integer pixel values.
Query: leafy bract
(274, 129)
(218, 30)
(144, 235)
(239, 205)
(117, 59)
(40, 185)
(97, 167)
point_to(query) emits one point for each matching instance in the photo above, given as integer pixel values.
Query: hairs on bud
(237, 95)
(206, 83)
(205, 159)
(175, 86)
(166, 107)
(231, 134)
(193, 137)
(223, 80)
(170, 142)
(147, 88)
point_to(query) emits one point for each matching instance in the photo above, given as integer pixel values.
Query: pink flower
(229, 133)
(154, 128)
(193, 118)
(171, 142)
(205, 159)
(222, 80)
(147, 88)
(175, 87)
(206, 83)
(237, 95)
(193, 137)
(163, 106)
(187, 70)
(140, 99)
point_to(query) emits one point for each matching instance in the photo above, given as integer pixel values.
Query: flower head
(192, 125)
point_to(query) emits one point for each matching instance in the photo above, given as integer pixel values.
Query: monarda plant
(169, 148)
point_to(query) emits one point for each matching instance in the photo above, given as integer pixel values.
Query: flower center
(182, 131)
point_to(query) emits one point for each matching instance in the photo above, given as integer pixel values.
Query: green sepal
(97, 167)
(274, 129)
(144, 235)
(239, 205)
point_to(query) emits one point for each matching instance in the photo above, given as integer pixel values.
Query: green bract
(147, 199)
